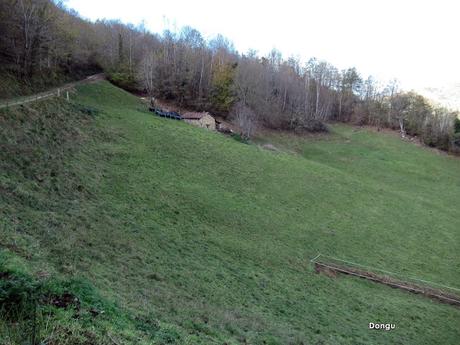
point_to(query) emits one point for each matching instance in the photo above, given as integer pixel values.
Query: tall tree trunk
(401, 127)
(284, 99)
(317, 100)
(340, 105)
(201, 78)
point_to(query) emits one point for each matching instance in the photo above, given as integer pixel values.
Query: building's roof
(194, 115)
(169, 114)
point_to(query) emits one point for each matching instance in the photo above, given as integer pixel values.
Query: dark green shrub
(123, 79)
(19, 299)
(28, 305)
(310, 126)
(238, 137)
(457, 125)
(455, 147)
(18, 295)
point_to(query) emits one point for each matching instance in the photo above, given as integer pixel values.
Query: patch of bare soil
(270, 147)
(4, 275)
(326, 271)
(436, 294)
(225, 124)
(65, 301)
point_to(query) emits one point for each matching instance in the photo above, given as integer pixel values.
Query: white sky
(417, 42)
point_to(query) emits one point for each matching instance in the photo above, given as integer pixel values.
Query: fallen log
(437, 294)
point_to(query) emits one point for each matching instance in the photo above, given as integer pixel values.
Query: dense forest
(43, 43)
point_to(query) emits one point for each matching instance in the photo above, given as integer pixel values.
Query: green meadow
(171, 234)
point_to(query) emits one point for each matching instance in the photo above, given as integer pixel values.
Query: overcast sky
(417, 42)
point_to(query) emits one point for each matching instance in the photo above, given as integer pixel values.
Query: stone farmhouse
(203, 119)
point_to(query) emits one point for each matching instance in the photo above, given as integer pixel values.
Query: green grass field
(186, 236)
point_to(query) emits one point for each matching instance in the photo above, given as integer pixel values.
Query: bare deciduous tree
(245, 118)
(42, 39)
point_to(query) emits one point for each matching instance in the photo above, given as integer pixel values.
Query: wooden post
(59, 92)
(67, 95)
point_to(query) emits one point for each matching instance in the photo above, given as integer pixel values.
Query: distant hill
(448, 95)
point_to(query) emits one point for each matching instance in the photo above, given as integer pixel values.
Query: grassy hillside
(181, 235)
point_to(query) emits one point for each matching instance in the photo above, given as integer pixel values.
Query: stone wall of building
(207, 121)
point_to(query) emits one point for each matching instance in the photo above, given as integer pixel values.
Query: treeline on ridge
(42, 42)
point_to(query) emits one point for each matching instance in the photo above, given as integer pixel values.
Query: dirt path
(50, 93)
